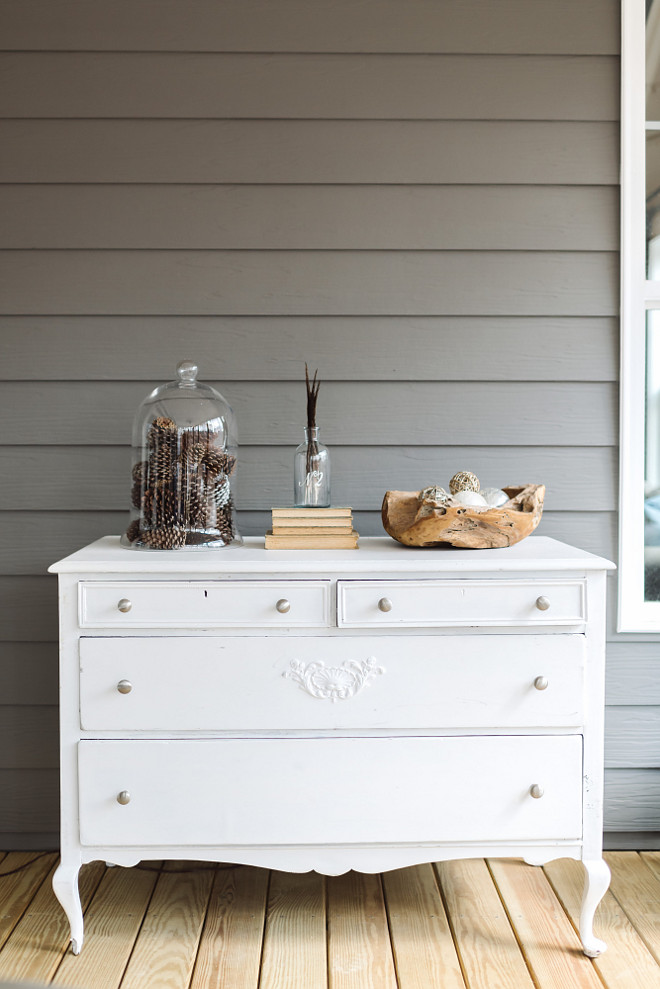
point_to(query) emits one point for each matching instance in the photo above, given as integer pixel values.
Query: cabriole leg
(596, 881)
(65, 886)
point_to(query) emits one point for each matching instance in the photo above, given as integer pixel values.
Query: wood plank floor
(476, 924)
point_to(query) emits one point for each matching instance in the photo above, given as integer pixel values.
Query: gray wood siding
(419, 197)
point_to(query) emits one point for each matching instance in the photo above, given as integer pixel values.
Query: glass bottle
(311, 472)
(184, 468)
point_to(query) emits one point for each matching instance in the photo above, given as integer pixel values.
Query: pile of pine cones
(182, 491)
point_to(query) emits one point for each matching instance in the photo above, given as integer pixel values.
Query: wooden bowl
(458, 525)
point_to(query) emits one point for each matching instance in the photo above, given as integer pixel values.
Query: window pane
(652, 451)
(653, 59)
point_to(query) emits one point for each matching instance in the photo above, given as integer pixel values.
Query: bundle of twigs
(312, 398)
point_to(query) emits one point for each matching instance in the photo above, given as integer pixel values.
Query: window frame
(637, 296)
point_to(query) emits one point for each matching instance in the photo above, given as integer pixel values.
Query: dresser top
(375, 555)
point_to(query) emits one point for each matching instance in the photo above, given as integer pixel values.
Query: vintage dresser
(332, 710)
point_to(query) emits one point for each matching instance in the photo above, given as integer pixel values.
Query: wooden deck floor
(494, 924)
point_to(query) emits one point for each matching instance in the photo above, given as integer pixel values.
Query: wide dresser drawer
(346, 682)
(247, 791)
(204, 604)
(363, 603)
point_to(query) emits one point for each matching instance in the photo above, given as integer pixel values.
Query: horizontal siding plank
(631, 840)
(310, 217)
(28, 609)
(301, 282)
(308, 86)
(36, 841)
(54, 535)
(632, 737)
(387, 413)
(632, 800)
(30, 801)
(28, 673)
(633, 673)
(29, 737)
(517, 26)
(303, 151)
(94, 478)
(412, 348)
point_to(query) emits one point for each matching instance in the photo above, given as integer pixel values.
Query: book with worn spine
(312, 528)
(318, 540)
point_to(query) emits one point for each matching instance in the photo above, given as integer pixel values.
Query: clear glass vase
(311, 472)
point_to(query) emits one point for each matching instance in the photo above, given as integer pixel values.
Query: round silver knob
(124, 686)
(124, 797)
(536, 791)
(124, 605)
(541, 683)
(385, 604)
(283, 606)
(542, 603)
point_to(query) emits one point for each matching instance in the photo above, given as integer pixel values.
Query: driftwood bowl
(415, 524)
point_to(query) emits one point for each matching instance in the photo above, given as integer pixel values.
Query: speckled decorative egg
(471, 499)
(434, 494)
(464, 480)
(494, 496)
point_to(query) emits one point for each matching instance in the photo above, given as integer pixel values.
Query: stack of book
(312, 528)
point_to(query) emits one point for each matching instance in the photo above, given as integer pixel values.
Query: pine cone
(220, 491)
(133, 531)
(216, 462)
(225, 522)
(163, 425)
(166, 537)
(136, 495)
(162, 461)
(192, 452)
(165, 505)
(194, 502)
(139, 472)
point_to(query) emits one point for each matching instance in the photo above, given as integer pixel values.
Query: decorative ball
(435, 494)
(464, 480)
(472, 499)
(495, 497)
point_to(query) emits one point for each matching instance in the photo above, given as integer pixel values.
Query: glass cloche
(184, 468)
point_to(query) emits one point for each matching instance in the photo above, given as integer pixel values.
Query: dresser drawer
(348, 682)
(204, 604)
(245, 791)
(361, 603)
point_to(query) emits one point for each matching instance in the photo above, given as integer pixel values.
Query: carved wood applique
(333, 683)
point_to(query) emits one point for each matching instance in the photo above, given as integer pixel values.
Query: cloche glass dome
(184, 468)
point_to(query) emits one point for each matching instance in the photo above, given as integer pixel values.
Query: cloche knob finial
(187, 372)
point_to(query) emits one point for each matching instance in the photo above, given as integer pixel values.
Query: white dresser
(332, 710)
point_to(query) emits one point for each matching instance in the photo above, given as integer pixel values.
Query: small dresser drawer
(364, 603)
(204, 604)
(329, 791)
(377, 683)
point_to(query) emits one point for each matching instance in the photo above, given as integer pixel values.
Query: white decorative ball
(464, 480)
(471, 499)
(494, 496)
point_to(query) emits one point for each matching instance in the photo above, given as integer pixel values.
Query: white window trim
(637, 295)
